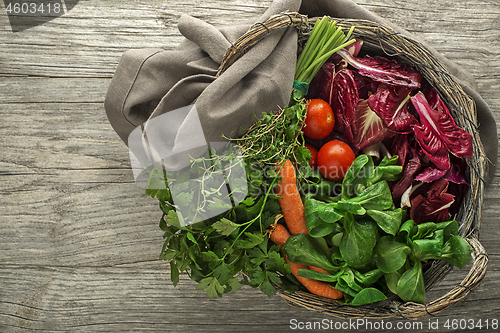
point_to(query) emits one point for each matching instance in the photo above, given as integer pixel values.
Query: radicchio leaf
(432, 97)
(355, 47)
(459, 191)
(366, 86)
(367, 126)
(456, 174)
(385, 70)
(431, 174)
(438, 133)
(339, 62)
(343, 97)
(324, 78)
(401, 147)
(321, 85)
(411, 168)
(431, 202)
(390, 103)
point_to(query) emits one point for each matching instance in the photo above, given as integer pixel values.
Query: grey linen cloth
(149, 83)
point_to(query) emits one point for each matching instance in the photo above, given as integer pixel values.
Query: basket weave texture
(382, 39)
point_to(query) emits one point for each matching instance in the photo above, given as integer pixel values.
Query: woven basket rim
(394, 44)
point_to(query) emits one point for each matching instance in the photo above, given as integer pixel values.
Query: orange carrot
(291, 204)
(319, 288)
(279, 235)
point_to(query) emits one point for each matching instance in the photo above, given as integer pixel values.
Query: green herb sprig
(275, 137)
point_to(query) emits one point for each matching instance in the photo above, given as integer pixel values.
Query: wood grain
(79, 241)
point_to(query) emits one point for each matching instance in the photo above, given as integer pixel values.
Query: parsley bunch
(232, 249)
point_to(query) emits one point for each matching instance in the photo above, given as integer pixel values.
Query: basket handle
(257, 32)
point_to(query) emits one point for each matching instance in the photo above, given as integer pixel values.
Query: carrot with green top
(291, 202)
(279, 234)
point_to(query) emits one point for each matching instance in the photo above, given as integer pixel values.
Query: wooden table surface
(79, 241)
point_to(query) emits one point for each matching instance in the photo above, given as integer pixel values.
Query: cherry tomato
(334, 159)
(314, 152)
(319, 120)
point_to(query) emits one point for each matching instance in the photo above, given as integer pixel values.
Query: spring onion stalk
(325, 39)
(318, 29)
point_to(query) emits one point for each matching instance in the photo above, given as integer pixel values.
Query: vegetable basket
(383, 40)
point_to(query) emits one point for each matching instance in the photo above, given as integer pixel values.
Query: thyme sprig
(276, 137)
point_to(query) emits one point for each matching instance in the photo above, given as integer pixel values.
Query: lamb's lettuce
(372, 247)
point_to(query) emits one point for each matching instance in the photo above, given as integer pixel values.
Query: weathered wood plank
(52, 90)
(153, 24)
(98, 302)
(103, 30)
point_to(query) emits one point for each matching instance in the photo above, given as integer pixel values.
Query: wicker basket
(379, 39)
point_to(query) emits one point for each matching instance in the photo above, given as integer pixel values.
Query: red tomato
(334, 159)
(319, 120)
(314, 152)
